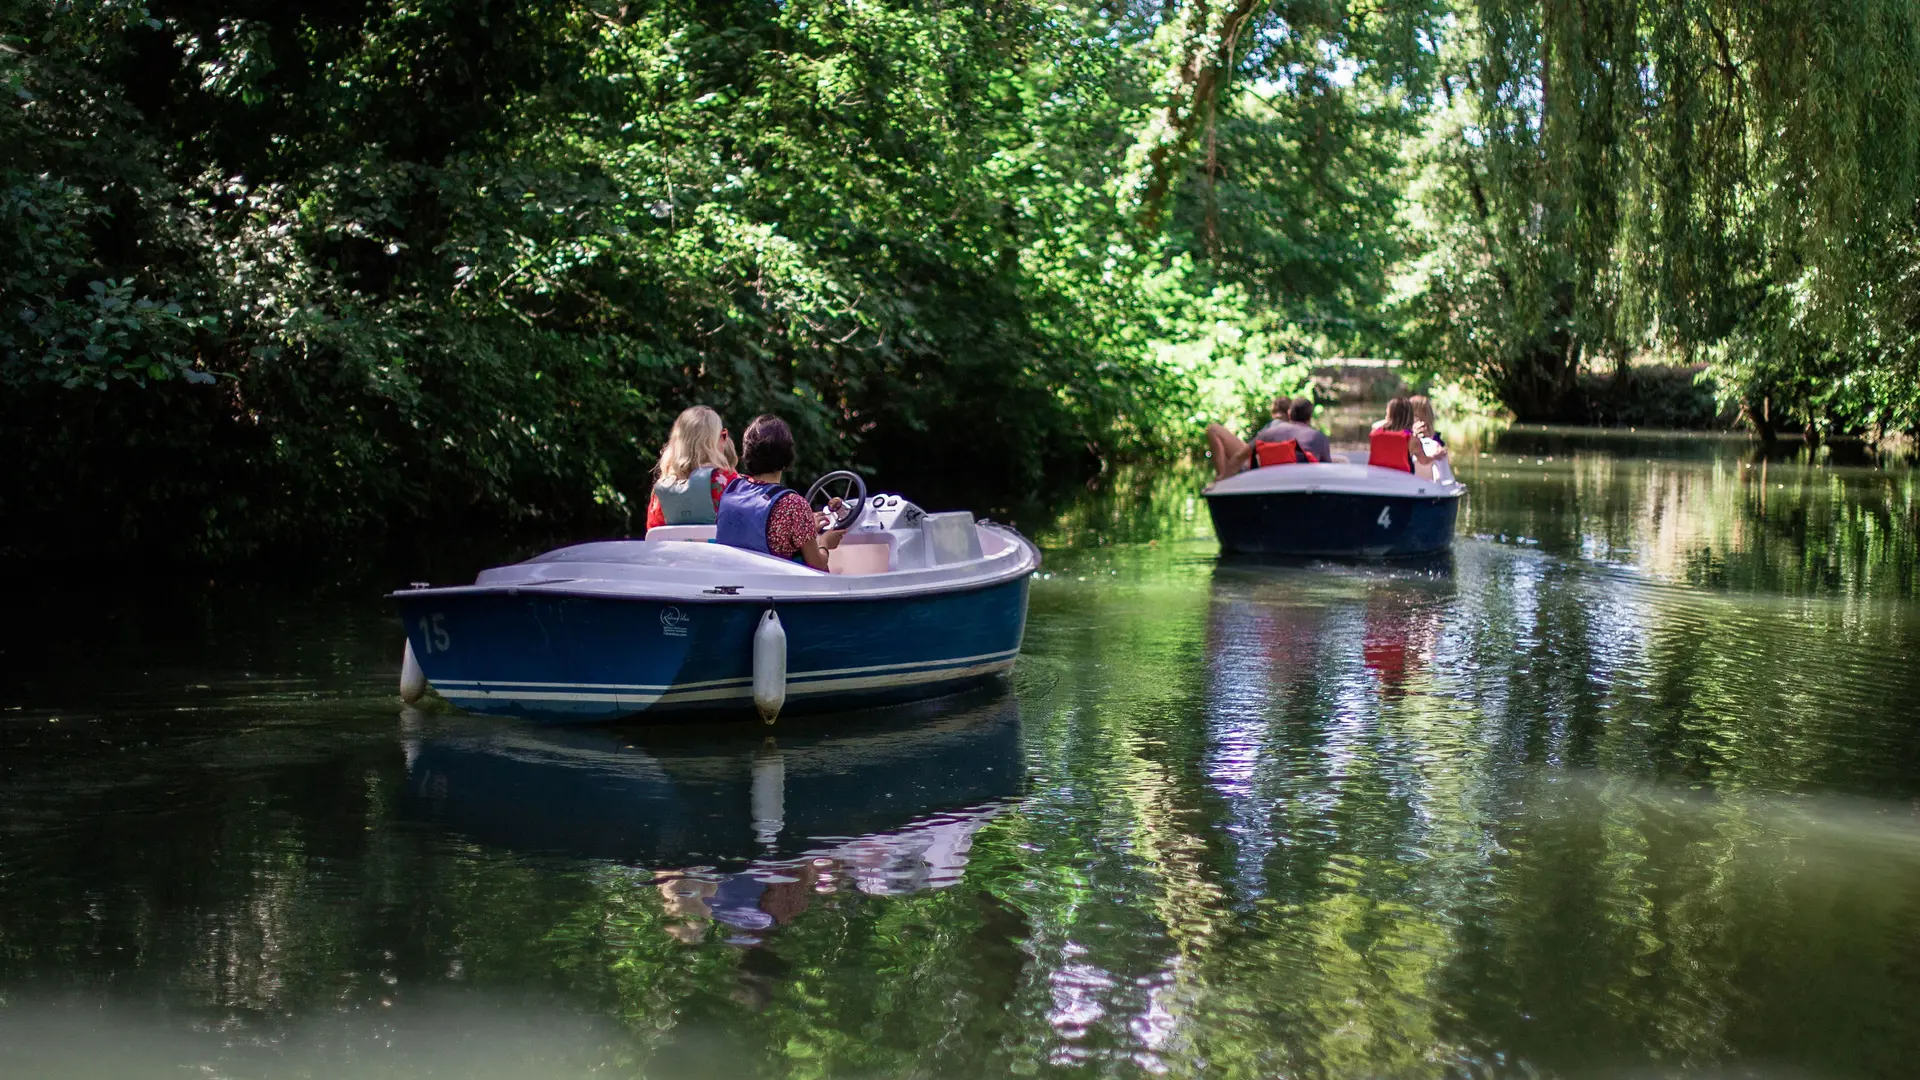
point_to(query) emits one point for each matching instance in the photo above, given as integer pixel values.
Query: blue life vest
(689, 501)
(744, 509)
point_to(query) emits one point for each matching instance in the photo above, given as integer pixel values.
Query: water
(1628, 787)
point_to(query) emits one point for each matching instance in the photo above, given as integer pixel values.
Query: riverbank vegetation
(296, 278)
(1713, 182)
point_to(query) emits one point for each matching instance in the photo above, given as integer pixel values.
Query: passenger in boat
(695, 466)
(1440, 465)
(1230, 453)
(1286, 441)
(758, 514)
(1392, 444)
(1314, 443)
(1268, 446)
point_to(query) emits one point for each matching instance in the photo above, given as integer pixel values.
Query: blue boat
(917, 605)
(1333, 510)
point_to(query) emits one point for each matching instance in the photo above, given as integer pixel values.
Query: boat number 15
(433, 634)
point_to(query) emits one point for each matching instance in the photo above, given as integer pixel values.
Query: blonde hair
(692, 445)
(1422, 411)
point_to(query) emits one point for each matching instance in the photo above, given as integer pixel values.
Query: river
(1627, 787)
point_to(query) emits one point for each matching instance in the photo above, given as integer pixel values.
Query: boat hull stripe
(723, 693)
(793, 677)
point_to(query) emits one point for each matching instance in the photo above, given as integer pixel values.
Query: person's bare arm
(814, 551)
(1416, 445)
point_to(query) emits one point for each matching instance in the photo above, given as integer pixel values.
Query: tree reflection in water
(1578, 805)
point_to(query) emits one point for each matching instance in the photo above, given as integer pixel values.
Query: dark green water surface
(1629, 787)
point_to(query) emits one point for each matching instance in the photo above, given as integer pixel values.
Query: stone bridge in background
(1357, 380)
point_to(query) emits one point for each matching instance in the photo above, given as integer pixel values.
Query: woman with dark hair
(758, 514)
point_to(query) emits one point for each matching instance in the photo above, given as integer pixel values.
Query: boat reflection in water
(1281, 629)
(1307, 668)
(742, 828)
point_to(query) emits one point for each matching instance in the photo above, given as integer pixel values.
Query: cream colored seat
(693, 533)
(861, 555)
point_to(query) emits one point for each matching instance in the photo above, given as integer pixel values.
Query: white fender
(412, 723)
(769, 666)
(769, 798)
(413, 681)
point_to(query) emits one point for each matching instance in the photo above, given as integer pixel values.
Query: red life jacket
(1285, 452)
(1388, 450)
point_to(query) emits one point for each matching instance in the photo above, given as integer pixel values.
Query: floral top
(790, 524)
(721, 478)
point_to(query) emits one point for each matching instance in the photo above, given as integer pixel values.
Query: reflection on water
(465, 1035)
(1514, 814)
(741, 829)
(1704, 511)
(1627, 787)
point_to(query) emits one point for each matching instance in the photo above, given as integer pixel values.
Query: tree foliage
(302, 272)
(1732, 182)
(291, 274)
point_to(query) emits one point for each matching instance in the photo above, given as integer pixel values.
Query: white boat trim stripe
(678, 687)
(1001, 655)
(876, 681)
(818, 686)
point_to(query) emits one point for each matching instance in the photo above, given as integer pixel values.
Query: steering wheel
(852, 494)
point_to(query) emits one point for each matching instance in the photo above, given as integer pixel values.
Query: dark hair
(1302, 411)
(1280, 406)
(1399, 415)
(766, 446)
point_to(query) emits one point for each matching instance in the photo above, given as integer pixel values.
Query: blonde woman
(1437, 466)
(695, 466)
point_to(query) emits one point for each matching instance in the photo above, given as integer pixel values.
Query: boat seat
(862, 552)
(694, 533)
(951, 537)
(858, 559)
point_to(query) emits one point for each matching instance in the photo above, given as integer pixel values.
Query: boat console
(891, 533)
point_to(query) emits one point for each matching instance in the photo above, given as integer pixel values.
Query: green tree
(1717, 181)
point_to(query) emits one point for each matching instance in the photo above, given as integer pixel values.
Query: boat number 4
(1385, 520)
(433, 633)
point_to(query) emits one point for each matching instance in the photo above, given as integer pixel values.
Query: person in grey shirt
(1291, 424)
(1316, 442)
(1229, 453)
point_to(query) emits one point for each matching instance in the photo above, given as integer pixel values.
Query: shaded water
(1628, 787)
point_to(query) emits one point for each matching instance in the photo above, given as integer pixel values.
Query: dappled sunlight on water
(1626, 786)
(1506, 809)
(1716, 513)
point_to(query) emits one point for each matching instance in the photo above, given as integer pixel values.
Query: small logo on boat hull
(673, 622)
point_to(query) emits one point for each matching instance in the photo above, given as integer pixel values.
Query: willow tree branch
(1205, 68)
